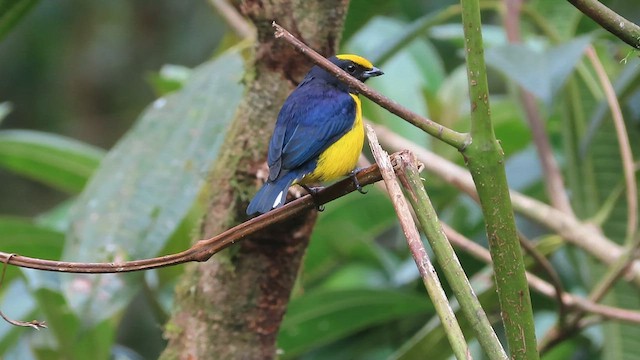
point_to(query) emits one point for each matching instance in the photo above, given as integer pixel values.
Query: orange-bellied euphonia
(319, 132)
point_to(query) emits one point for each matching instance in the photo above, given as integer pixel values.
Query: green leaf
(492, 35)
(540, 72)
(559, 16)
(74, 338)
(170, 78)
(55, 160)
(514, 133)
(627, 88)
(324, 316)
(432, 338)
(61, 321)
(17, 303)
(621, 339)
(11, 12)
(24, 237)
(5, 109)
(150, 180)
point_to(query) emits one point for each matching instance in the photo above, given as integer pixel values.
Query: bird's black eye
(351, 68)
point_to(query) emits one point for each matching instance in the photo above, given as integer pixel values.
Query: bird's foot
(354, 176)
(313, 191)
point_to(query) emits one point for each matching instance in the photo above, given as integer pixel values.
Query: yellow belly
(342, 157)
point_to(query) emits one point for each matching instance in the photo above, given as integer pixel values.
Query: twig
(543, 287)
(425, 268)
(555, 336)
(203, 249)
(624, 29)
(431, 226)
(36, 324)
(453, 138)
(232, 17)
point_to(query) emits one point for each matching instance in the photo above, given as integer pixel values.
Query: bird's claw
(356, 182)
(313, 191)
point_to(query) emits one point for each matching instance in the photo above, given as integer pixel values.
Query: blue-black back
(316, 114)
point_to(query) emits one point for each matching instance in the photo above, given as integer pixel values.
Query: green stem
(485, 160)
(425, 268)
(624, 29)
(410, 179)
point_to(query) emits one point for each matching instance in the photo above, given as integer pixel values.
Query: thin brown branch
(623, 142)
(204, 249)
(36, 324)
(234, 19)
(451, 137)
(555, 336)
(552, 275)
(622, 28)
(542, 286)
(577, 233)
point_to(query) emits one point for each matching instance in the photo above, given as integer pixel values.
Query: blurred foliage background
(78, 75)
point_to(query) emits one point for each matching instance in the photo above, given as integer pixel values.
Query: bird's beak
(372, 73)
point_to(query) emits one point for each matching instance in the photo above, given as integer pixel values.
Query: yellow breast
(342, 157)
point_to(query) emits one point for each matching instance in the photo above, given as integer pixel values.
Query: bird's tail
(271, 195)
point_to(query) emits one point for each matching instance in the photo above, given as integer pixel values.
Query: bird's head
(359, 67)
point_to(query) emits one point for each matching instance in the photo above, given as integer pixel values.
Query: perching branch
(203, 249)
(624, 29)
(453, 138)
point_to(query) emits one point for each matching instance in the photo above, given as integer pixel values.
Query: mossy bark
(231, 306)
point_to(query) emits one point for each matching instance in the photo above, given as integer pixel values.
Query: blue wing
(313, 117)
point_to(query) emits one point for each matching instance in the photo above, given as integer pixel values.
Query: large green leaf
(541, 72)
(559, 16)
(58, 161)
(324, 316)
(150, 180)
(621, 339)
(11, 12)
(596, 173)
(24, 237)
(68, 336)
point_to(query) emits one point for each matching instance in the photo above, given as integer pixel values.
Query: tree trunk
(231, 306)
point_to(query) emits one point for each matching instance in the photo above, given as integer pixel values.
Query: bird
(318, 134)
